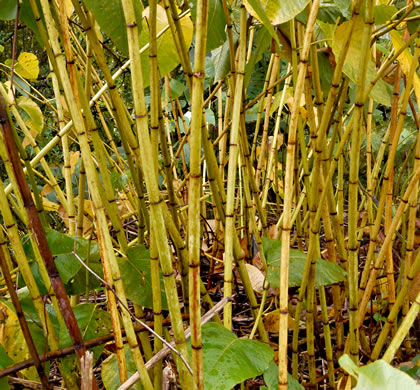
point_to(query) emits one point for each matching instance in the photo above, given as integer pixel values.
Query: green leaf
(326, 273)
(229, 360)
(110, 17)
(378, 375)
(344, 7)
(276, 11)
(137, 280)
(5, 361)
(111, 375)
(167, 53)
(262, 43)
(383, 13)
(221, 59)
(271, 379)
(177, 88)
(216, 21)
(381, 92)
(255, 8)
(92, 322)
(8, 9)
(33, 117)
(62, 246)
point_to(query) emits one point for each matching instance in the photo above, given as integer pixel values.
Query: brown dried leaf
(257, 278)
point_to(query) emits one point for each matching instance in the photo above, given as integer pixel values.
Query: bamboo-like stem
(268, 102)
(194, 190)
(402, 331)
(353, 245)
(391, 319)
(389, 261)
(37, 230)
(152, 186)
(288, 195)
(233, 162)
(22, 321)
(378, 262)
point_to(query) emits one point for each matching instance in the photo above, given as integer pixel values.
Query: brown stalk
(22, 321)
(70, 350)
(37, 230)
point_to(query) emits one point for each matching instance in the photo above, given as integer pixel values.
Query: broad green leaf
(229, 360)
(8, 9)
(381, 92)
(28, 66)
(221, 60)
(92, 321)
(262, 43)
(5, 361)
(135, 273)
(344, 6)
(32, 117)
(62, 246)
(254, 7)
(329, 13)
(378, 375)
(277, 12)
(271, 379)
(326, 273)
(383, 13)
(168, 58)
(110, 374)
(216, 20)
(177, 88)
(110, 17)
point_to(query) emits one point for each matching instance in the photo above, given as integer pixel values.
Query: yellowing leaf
(405, 60)
(68, 6)
(381, 92)
(167, 54)
(47, 189)
(32, 115)
(271, 321)
(12, 339)
(28, 66)
(50, 206)
(278, 11)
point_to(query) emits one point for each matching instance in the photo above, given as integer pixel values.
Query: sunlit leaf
(168, 58)
(32, 116)
(378, 375)
(381, 92)
(254, 7)
(28, 66)
(383, 13)
(405, 60)
(277, 11)
(12, 339)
